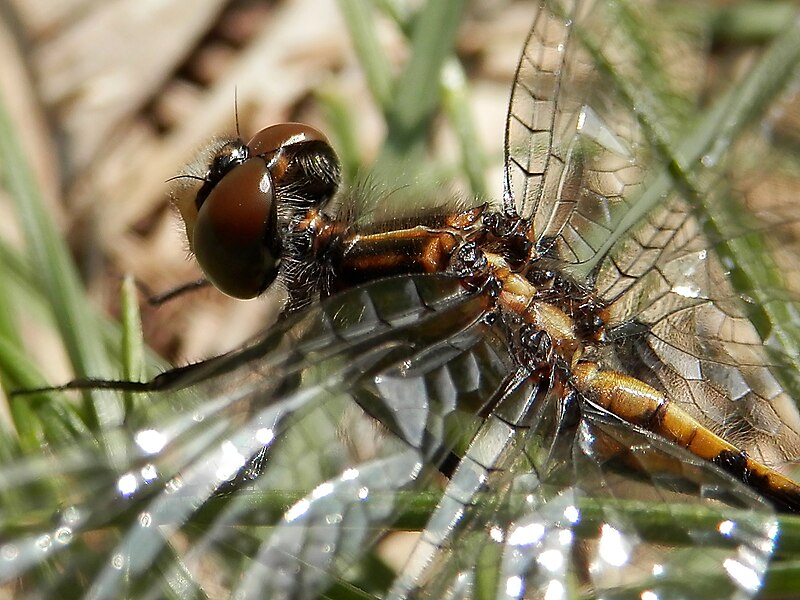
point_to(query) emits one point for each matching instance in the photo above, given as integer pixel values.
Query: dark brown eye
(300, 159)
(273, 138)
(233, 238)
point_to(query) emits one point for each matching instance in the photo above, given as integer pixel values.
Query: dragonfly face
(537, 355)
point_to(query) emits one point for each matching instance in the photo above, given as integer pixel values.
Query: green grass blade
(360, 23)
(455, 98)
(56, 275)
(418, 89)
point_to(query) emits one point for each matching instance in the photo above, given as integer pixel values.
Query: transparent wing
(252, 488)
(569, 501)
(704, 292)
(575, 152)
(702, 344)
(246, 484)
(672, 192)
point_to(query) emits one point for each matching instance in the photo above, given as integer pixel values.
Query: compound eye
(273, 138)
(234, 236)
(301, 161)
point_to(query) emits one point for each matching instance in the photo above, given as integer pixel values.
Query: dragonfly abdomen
(640, 404)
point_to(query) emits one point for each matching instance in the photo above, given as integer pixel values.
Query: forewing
(575, 157)
(704, 292)
(246, 484)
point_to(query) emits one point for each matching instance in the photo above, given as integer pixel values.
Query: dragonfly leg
(173, 379)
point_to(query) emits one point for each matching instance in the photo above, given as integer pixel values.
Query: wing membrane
(575, 157)
(691, 269)
(714, 284)
(224, 462)
(570, 510)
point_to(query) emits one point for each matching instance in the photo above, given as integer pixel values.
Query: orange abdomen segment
(640, 404)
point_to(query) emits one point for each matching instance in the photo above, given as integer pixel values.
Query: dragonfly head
(250, 192)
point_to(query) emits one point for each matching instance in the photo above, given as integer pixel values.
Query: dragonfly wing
(575, 155)
(254, 463)
(688, 258)
(704, 295)
(697, 339)
(588, 506)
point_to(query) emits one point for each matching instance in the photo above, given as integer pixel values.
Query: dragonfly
(574, 382)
